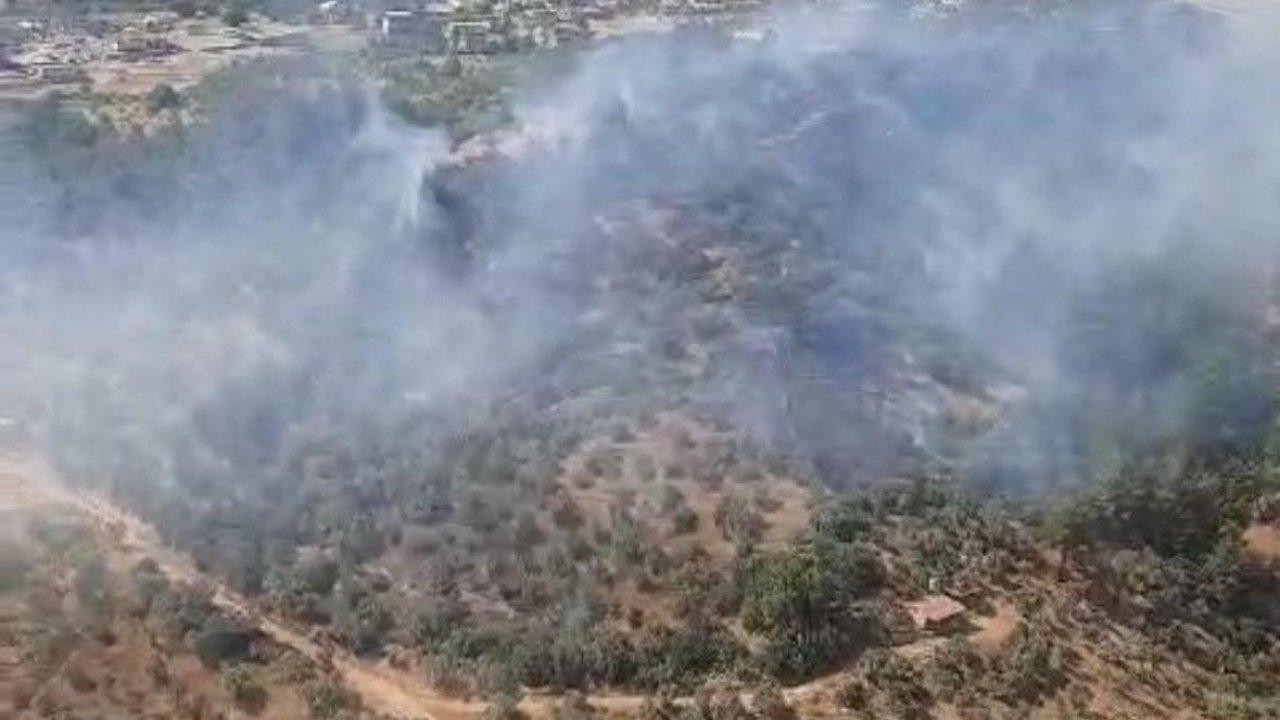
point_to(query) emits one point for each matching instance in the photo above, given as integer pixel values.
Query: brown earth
(1262, 540)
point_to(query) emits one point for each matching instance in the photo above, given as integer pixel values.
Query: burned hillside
(755, 362)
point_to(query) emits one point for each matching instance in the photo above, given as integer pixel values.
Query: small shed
(936, 614)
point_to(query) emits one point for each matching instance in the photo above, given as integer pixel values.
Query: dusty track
(382, 689)
(387, 690)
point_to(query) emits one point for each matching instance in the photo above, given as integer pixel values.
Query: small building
(157, 23)
(471, 36)
(435, 21)
(397, 27)
(567, 32)
(134, 47)
(422, 29)
(57, 73)
(937, 614)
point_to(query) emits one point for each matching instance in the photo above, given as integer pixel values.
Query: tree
(900, 682)
(327, 700)
(804, 602)
(163, 97)
(235, 13)
(1034, 665)
(220, 641)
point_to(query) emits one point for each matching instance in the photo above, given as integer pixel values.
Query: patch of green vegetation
(14, 572)
(806, 603)
(1182, 512)
(465, 98)
(329, 701)
(63, 536)
(1033, 667)
(246, 692)
(469, 95)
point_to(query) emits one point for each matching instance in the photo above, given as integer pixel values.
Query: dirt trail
(1262, 541)
(995, 631)
(382, 689)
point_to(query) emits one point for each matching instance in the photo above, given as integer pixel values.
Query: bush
(646, 468)
(13, 574)
(955, 666)
(1183, 513)
(854, 695)
(328, 701)
(684, 521)
(294, 668)
(147, 583)
(737, 520)
(900, 682)
(805, 602)
(680, 658)
(182, 609)
(1033, 666)
(505, 701)
(245, 692)
(437, 620)
(234, 14)
(221, 641)
(850, 521)
(364, 624)
(316, 574)
(163, 97)
(92, 591)
(769, 704)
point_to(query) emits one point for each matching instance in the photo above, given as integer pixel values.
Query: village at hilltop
(130, 49)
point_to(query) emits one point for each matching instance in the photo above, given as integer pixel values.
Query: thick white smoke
(865, 187)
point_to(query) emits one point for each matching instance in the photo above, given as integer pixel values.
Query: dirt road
(383, 689)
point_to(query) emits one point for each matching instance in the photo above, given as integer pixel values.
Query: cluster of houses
(58, 53)
(493, 26)
(479, 27)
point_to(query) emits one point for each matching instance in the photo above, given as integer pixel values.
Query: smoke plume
(875, 241)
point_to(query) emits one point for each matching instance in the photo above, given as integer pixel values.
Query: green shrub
(221, 641)
(328, 701)
(954, 667)
(13, 574)
(92, 588)
(245, 692)
(738, 520)
(162, 97)
(437, 619)
(1174, 513)
(147, 583)
(899, 681)
(235, 13)
(854, 695)
(1033, 667)
(684, 521)
(805, 602)
(769, 704)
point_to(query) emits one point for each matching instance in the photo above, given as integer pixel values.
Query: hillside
(1050, 629)
(888, 363)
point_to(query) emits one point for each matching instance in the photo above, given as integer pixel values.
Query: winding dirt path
(381, 688)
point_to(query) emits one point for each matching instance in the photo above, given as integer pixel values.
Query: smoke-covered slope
(312, 342)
